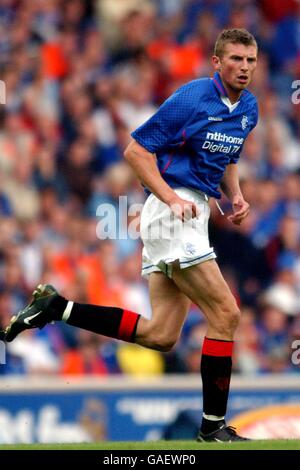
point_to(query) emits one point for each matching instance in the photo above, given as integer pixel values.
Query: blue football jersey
(195, 134)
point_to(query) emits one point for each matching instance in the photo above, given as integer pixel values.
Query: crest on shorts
(190, 248)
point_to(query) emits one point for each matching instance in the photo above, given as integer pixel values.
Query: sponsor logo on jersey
(212, 143)
(219, 137)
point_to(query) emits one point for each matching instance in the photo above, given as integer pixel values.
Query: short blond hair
(234, 36)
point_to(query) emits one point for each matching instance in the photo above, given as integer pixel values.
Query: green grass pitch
(291, 444)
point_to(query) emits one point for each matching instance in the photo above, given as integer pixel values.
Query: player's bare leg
(206, 287)
(169, 306)
(169, 310)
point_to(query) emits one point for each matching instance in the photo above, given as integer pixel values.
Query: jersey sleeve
(165, 127)
(235, 158)
(255, 117)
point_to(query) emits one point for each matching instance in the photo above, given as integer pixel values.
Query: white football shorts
(167, 239)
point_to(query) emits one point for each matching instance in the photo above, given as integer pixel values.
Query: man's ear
(216, 63)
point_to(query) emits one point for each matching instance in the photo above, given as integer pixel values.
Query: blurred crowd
(80, 76)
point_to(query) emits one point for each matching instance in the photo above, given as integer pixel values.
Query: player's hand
(240, 209)
(183, 209)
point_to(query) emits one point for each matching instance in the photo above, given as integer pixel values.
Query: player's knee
(228, 317)
(164, 343)
(234, 319)
(230, 321)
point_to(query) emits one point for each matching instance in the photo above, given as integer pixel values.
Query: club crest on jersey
(244, 122)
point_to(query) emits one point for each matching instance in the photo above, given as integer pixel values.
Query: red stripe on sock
(127, 325)
(215, 347)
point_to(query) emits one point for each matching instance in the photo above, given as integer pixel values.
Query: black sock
(208, 426)
(216, 367)
(57, 307)
(108, 321)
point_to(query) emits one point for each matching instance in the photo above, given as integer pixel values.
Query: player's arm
(159, 133)
(231, 188)
(144, 166)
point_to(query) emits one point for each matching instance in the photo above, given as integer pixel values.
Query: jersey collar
(219, 85)
(223, 93)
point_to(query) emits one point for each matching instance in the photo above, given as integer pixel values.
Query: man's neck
(232, 95)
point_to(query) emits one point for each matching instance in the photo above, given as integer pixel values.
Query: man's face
(236, 66)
